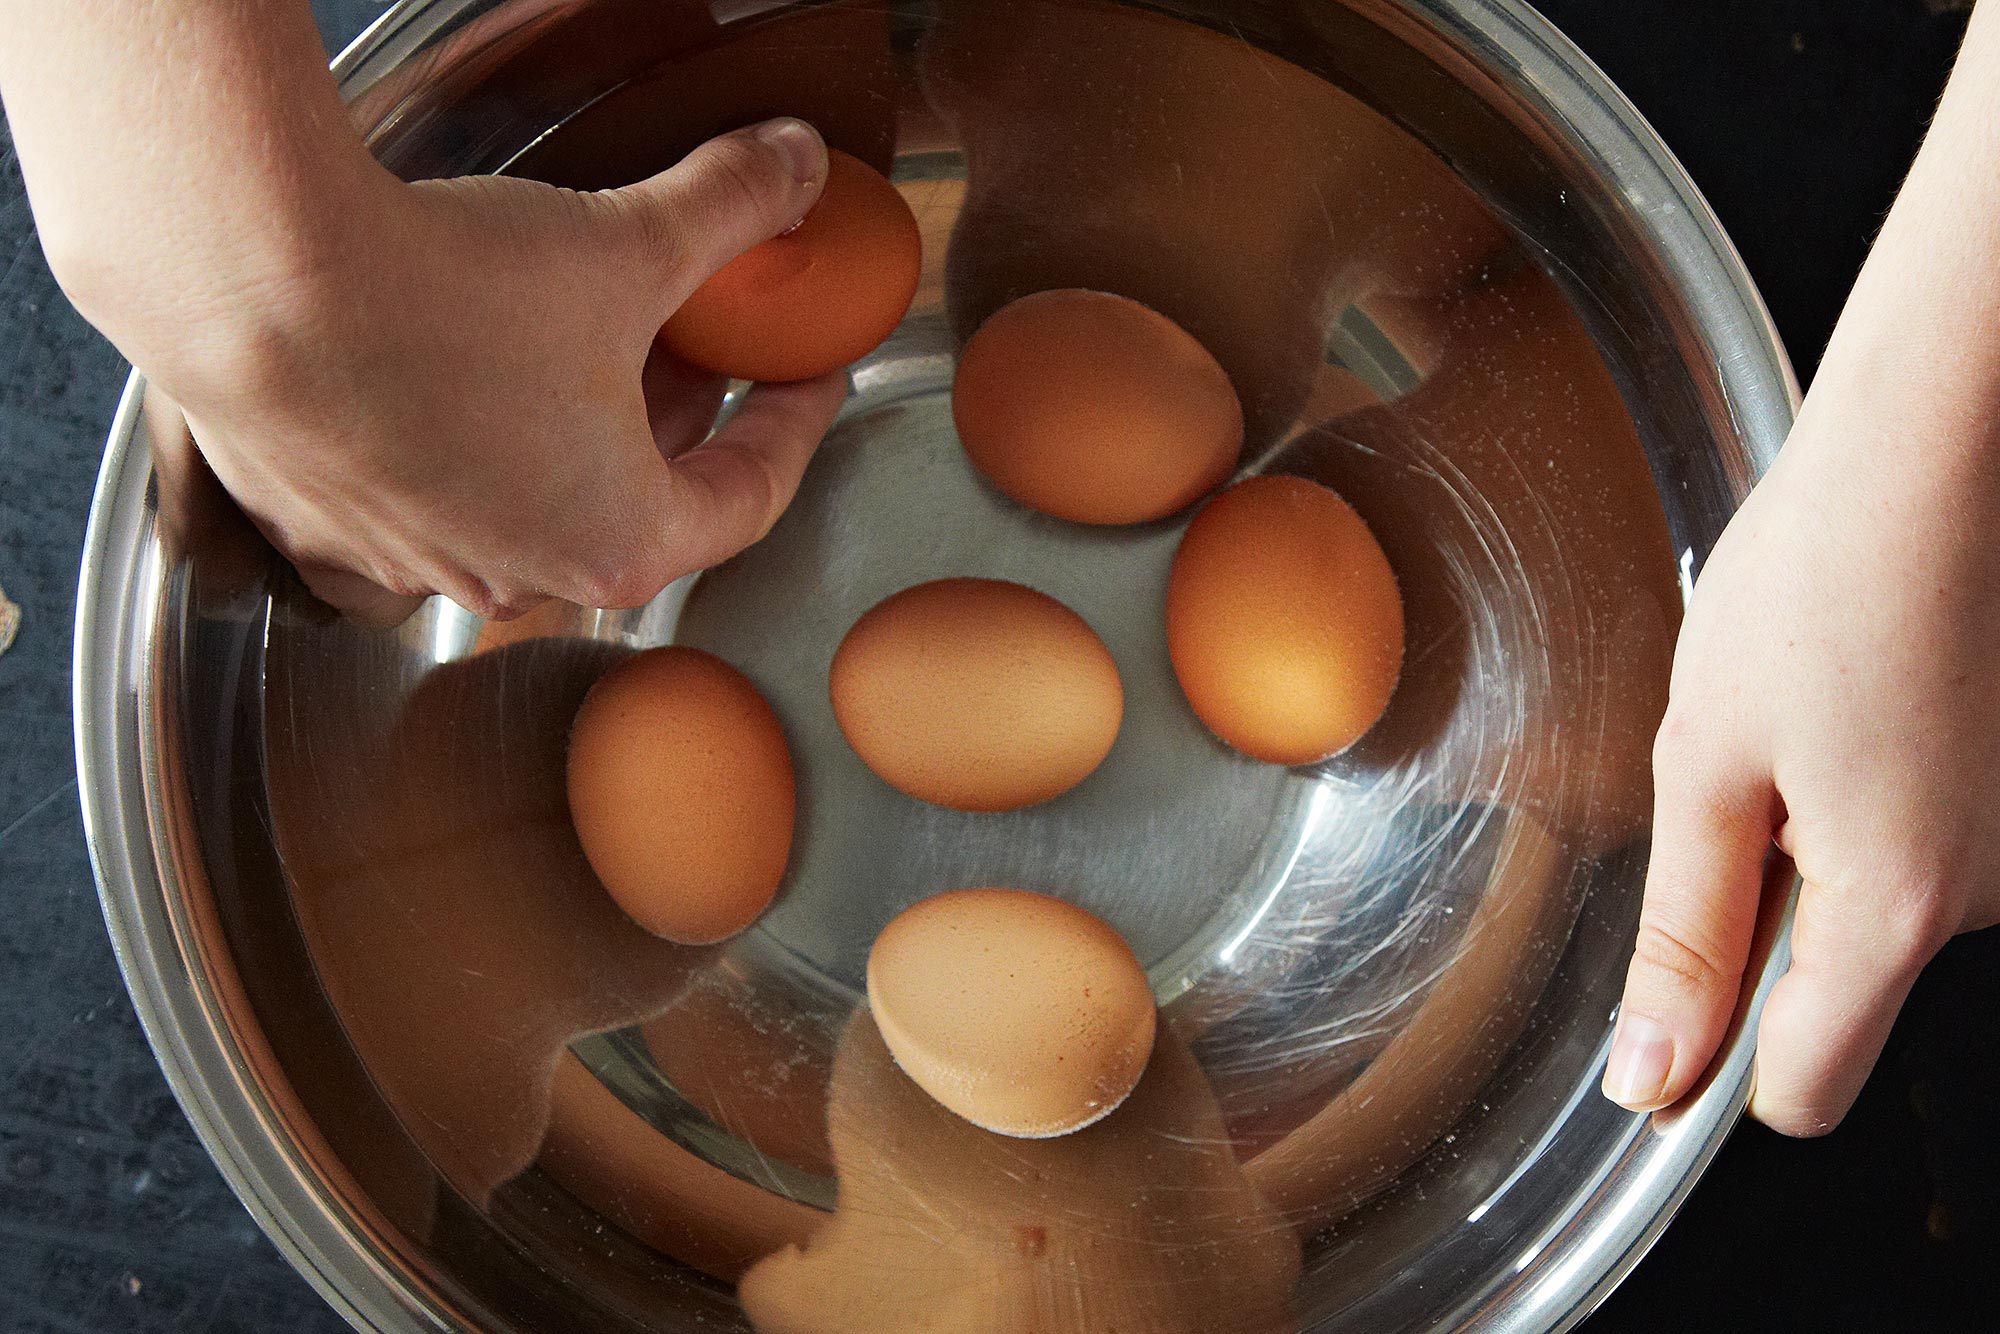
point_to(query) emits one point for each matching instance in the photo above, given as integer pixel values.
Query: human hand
(442, 387)
(461, 393)
(1837, 688)
(1837, 684)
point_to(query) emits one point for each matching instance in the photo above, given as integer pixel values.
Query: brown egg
(1022, 1013)
(812, 299)
(451, 917)
(1563, 570)
(1093, 408)
(1243, 197)
(680, 784)
(1283, 621)
(977, 694)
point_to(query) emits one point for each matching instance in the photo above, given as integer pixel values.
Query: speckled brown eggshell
(976, 694)
(1091, 407)
(681, 789)
(1284, 621)
(1021, 1012)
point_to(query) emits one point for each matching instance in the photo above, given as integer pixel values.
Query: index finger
(727, 491)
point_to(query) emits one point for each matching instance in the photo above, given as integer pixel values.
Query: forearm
(1923, 322)
(179, 154)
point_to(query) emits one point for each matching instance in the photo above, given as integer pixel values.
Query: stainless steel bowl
(1451, 273)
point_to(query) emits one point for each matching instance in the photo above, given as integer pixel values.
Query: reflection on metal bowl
(1449, 274)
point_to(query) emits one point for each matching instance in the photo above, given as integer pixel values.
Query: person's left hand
(1836, 690)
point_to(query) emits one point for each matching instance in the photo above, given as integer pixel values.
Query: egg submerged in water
(1021, 1012)
(681, 790)
(976, 694)
(1093, 408)
(1284, 621)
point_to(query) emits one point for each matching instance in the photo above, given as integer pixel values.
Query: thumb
(720, 200)
(1712, 822)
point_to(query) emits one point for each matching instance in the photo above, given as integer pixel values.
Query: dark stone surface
(111, 1217)
(1797, 117)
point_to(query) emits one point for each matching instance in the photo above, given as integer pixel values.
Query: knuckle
(631, 584)
(590, 590)
(655, 231)
(512, 607)
(402, 584)
(1918, 911)
(1794, 1119)
(375, 576)
(745, 169)
(1695, 772)
(638, 586)
(625, 570)
(1677, 746)
(581, 210)
(1907, 912)
(475, 595)
(762, 495)
(513, 596)
(1673, 953)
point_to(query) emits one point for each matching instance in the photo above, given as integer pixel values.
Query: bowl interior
(1387, 979)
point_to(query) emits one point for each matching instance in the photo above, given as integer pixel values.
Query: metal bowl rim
(118, 782)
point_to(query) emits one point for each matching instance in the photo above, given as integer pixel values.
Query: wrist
(211, 295)
(212, 164)
(1910, 382)
(1917, 349)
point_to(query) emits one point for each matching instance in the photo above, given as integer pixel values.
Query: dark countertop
(1796, 117)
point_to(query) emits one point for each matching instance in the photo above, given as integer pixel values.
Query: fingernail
(1641, 1055)
(799, 142)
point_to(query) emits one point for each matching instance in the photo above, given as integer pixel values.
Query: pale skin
(451, 388)
(1836, 689)
(438, 388)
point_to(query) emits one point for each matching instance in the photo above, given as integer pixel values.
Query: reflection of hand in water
(1252, 202)
(1514, 500)
(450, 913)
(756, 1068)
(1243, 198)
(1420, 1085)
(606, 1155)
(1142, 1223)
(830, 65)
(1515, 503)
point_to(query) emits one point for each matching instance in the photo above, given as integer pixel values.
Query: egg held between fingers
(815, 298)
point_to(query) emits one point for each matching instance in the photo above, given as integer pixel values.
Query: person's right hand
(452, 387)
